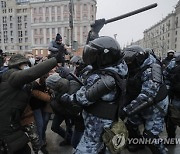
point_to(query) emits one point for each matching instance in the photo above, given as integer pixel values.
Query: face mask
(26, 67)
(5, 64)
(32, 61)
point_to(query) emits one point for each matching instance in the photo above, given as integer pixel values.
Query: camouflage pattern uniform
(31, 130)
(174, 101)
(91, 141)
(151, 117)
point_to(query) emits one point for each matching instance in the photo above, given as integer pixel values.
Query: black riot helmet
(102, 52)
(135, 56)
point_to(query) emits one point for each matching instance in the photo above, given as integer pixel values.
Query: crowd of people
(102, 97)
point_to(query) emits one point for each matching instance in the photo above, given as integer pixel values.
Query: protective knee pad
(158, 148)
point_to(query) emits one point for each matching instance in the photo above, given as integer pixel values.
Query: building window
(11, 40)
(41, 52)
(25, 18)
(26, 33)
(47, 31)
(20, 40)
(3, 4)
(26, 47)
(176, 22)
(4, 20)
(19, 26)
(85, 7)
(176, 32)
(92, 7)
(53, 18)
(20, 47)
(10, 18)
(36, 41)
(58, 9)
(11, 33)
(59, 30)
(35, 31)
(40, 10)
(35, 20)
(20, 34)
(47, 19)
(25, 25)
(175, 46)
(19, 19)
(41, 40)
(40, 19)
(4, 26)
(53, 9)
(24, 10)
(4, 11)
(85, 16)
(53, 31)
(47, 10)
(35, 10)
(168, 34)
(26, 39)
(36, 52)
(176, 39)
(47, 40)
(59, 18)
(41, 31)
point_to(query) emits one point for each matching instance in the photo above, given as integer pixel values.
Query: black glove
(59, 57)
(66, 99)
(97, 26)
(61, 48)
(122, 114)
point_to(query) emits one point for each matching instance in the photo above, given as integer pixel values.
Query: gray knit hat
(52, 80)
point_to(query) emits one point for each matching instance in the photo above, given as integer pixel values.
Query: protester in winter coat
(14, 97)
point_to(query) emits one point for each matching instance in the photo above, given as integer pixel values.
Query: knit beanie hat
(63, 71)
(58, 37)
(52, 80)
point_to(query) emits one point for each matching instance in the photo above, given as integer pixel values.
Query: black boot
(171, 132)
(134, 133)
(44, 150)
(135, 147)
(156, 148)
(64, 143)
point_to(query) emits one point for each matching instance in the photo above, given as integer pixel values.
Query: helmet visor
(129, 56)
(89, 54)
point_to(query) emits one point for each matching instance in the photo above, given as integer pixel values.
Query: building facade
(15, 26)
(164, 35)
(43, 20)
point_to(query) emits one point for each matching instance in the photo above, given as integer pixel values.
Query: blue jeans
(39, 122)
(41, 119)
(46, 117)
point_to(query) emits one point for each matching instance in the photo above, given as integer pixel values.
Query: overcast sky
(131, 28)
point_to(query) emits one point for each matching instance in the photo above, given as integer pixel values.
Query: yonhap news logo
(153, 141)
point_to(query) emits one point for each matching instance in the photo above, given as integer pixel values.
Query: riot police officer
(170, 56)
(146, 97)
(98, 96)
(172, 76)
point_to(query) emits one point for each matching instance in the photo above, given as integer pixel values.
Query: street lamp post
(71, 10)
